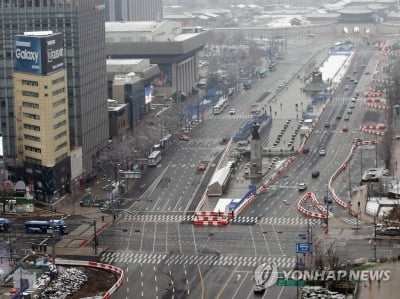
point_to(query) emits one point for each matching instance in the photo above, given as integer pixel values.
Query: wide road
(164, 256)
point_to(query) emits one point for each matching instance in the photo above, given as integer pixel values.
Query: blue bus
(5, 225)
(46, 227)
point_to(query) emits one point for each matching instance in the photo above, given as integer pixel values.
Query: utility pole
(361, 161)
(376, 151)
(95, 237)
(53, 250)
(375, 237)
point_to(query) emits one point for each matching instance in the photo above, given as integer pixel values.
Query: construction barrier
(310, 197)
(107, 267)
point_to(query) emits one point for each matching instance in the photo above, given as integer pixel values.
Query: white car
(232, 111)
(302, 186)
(322, 152)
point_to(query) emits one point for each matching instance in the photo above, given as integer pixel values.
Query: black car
(315, 174)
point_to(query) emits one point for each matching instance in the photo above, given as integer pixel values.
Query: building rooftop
(148, 26)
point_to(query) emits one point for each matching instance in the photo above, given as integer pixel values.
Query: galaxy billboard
(39, 54)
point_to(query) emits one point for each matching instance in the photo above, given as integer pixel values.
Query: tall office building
(134, 10)
(41, 108)
(82, 25)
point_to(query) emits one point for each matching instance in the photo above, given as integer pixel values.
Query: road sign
(290, 283)
(303, 247)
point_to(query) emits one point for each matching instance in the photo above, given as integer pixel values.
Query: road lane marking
(226, 283)
(240, 285)
(202, 281)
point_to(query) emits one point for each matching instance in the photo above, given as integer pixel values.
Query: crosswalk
(234, 116)
(237, 220)
(282, 262)
(352, 221)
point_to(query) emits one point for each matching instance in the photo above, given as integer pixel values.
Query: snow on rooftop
(185, 36)
(123, 61)
(132, 26)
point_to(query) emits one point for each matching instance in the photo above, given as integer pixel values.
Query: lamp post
(375, 236)
(358, 211)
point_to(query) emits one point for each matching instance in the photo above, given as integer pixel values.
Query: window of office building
(60, 146)
(30, 83)
(62, 134)
(61, 157)
(31, 127)
(59, 102)
(33, 160)
(60, 124)
(30, 105)
(58, 80)
(58, 91)
(31, 138)
(33, 149)
(30, 94)
(31, 115)
(59, 113)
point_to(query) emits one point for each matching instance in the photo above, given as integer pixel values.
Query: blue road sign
(303, 247)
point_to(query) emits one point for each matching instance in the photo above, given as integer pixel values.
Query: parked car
(306, 150)
(391, 231)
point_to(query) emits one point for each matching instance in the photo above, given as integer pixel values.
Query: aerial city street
(247, 151)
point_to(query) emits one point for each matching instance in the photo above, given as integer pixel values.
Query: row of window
(59, 102)
(30, 83)
(31, 138)
(31, 115)
(37, 128)
(58, 91)
(62, 134)
(58, 80)
(30, 105)
(33, 149)
(30, 94)
(39, 150)
(59, 113)
(37, 106)
(39, 162)
(60, 124)
(31, 127)
(33, 160)
(60, 146)
(61, 157)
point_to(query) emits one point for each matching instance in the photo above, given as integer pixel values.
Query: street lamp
(358, 211)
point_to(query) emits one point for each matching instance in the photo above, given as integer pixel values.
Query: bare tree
(332, 257)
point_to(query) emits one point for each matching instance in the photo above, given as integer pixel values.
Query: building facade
(134, 10)
(173, 48)
(82, 25)
(41, 108)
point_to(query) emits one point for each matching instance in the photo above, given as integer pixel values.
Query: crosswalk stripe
(235, 220)
(156, 258)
